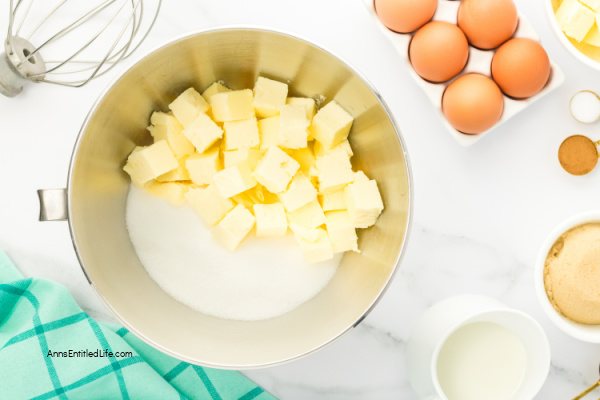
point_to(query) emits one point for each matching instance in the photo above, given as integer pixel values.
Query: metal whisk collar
(97, 34)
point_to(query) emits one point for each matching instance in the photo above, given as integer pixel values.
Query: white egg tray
(480, 61)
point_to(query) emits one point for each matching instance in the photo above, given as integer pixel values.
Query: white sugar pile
(263, 279)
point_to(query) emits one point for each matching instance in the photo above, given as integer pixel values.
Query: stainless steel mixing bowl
(95, 200)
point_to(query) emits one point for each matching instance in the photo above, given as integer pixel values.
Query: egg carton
(480, 61)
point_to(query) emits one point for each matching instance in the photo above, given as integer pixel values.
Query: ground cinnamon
(578, 155)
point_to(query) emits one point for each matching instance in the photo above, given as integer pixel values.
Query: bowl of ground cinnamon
(578, 155)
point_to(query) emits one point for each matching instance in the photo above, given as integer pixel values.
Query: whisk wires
(99, 35)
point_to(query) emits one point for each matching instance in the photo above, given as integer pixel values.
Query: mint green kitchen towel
(51, 349)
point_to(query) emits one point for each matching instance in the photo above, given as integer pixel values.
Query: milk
(481, 360)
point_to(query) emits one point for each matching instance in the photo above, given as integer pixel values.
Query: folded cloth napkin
(40, 323)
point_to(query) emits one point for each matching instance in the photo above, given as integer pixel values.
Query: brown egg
(473, 103)
(488, 23)
(439, 51)
(405, 16)
(521, 68)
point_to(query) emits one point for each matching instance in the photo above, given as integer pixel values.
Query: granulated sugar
(263, 279)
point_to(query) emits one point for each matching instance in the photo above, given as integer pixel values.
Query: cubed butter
(173, 192)
(275, 170)
(177, 175)
(166, 127)
(305, 158)
(234, 227)
(241, 134)
(593, 4)
(234, 180)
(214, 88)
(269, 97)
(314, 243)
(242, 155)
(299, 193)
(305, 102)
(208, 203)
(270, 220)
(344, 147)
(187, 106)
(364, 203)
(257, 195)
(269, 132)
(334, 171)
(593, 36)
(150, 162)
(341, 231)
(203, 133)
(575, 19)
(331, 125)
(203, 167)
(333, 201)
(309, 216)
(232, 106)
(360, 176)
(293, 132)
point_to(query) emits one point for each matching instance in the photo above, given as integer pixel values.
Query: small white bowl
(564, 40)
(586, 333)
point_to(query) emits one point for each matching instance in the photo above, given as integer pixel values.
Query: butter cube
(335, 171)
(294, 127)
(269, 96)
(178, 174)
(203, 167)
(575, 19)
(305, 158)
(150, 162)
(234, 180)
(299, 193)
(593, 36)
(232, 106)
(166, 127)
(309, 216)
(333, 201)
(331, 125)
(257, 195)
(208, 203)
(314, 243)
(360, 176)
(158, 118)
(305, 102)
(364, 203)
(270, 220)
(234, 227)
(187, 106)
(173, 192)
(593, 4)
(235, 157)
(269, 132)
(275, 170)
(214, 88)
(241, 134)
(341, 231)
(344, 147)
(203, 132)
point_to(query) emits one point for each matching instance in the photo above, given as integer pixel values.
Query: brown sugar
(578, 155)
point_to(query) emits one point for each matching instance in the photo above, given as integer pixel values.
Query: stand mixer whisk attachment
(71, 42)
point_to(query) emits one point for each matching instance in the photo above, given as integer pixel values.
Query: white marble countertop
(481, 213)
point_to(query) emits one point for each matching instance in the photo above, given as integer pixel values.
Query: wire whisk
(71, 42)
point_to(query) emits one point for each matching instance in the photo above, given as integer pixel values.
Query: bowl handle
(53, 204)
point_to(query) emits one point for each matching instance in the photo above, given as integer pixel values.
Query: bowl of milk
(474, 347)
